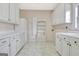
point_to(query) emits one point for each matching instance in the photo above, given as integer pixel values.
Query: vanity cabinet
(61, 14)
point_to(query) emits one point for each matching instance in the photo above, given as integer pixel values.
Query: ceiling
(38, 6)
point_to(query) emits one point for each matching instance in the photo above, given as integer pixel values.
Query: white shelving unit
(41, 29)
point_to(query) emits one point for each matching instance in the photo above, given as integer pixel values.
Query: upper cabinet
(4, 11)
(61, 14)
(17, 13)
(9, 13)
(14, 13)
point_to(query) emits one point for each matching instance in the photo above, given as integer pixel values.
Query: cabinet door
(65, 48)
(4, 51)
(17, 13)
(62, 14)
(59, 44)
(18, 42)
(13, 46)
(58, 15)
(12, 12)
(4, 11)
(74, 49)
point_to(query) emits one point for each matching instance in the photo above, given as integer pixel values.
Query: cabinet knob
(69, 44)
(52, 29)
(75, 42)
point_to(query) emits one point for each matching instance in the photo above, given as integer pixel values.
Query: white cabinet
(65, 48)
(14, 13)
(61, 14)
(62, 45)
(68, 45)
(59, 44)
(4, 50)
(17, 14)
(4, 11)
(9, 13)
(4, 47)
(74, 49)
(18, 42)
(12, 46)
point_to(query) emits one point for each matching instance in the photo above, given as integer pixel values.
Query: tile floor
(38, 49)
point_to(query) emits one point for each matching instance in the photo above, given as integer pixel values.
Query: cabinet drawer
(4, 42)
(4, 51)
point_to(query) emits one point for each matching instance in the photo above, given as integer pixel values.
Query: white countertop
(4, 34)
(72, 34)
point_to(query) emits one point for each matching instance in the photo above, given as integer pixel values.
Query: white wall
(6, 27)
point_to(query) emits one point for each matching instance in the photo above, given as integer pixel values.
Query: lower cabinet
(74, 48)
(59, 44)
(4, 51)
(9, 46)
(12, 46)
(69, 45)
(65, 48)
(16, 43)
(4, 47)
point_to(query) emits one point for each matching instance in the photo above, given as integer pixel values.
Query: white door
(4, 11)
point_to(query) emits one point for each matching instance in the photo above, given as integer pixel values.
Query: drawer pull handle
(4, 41)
